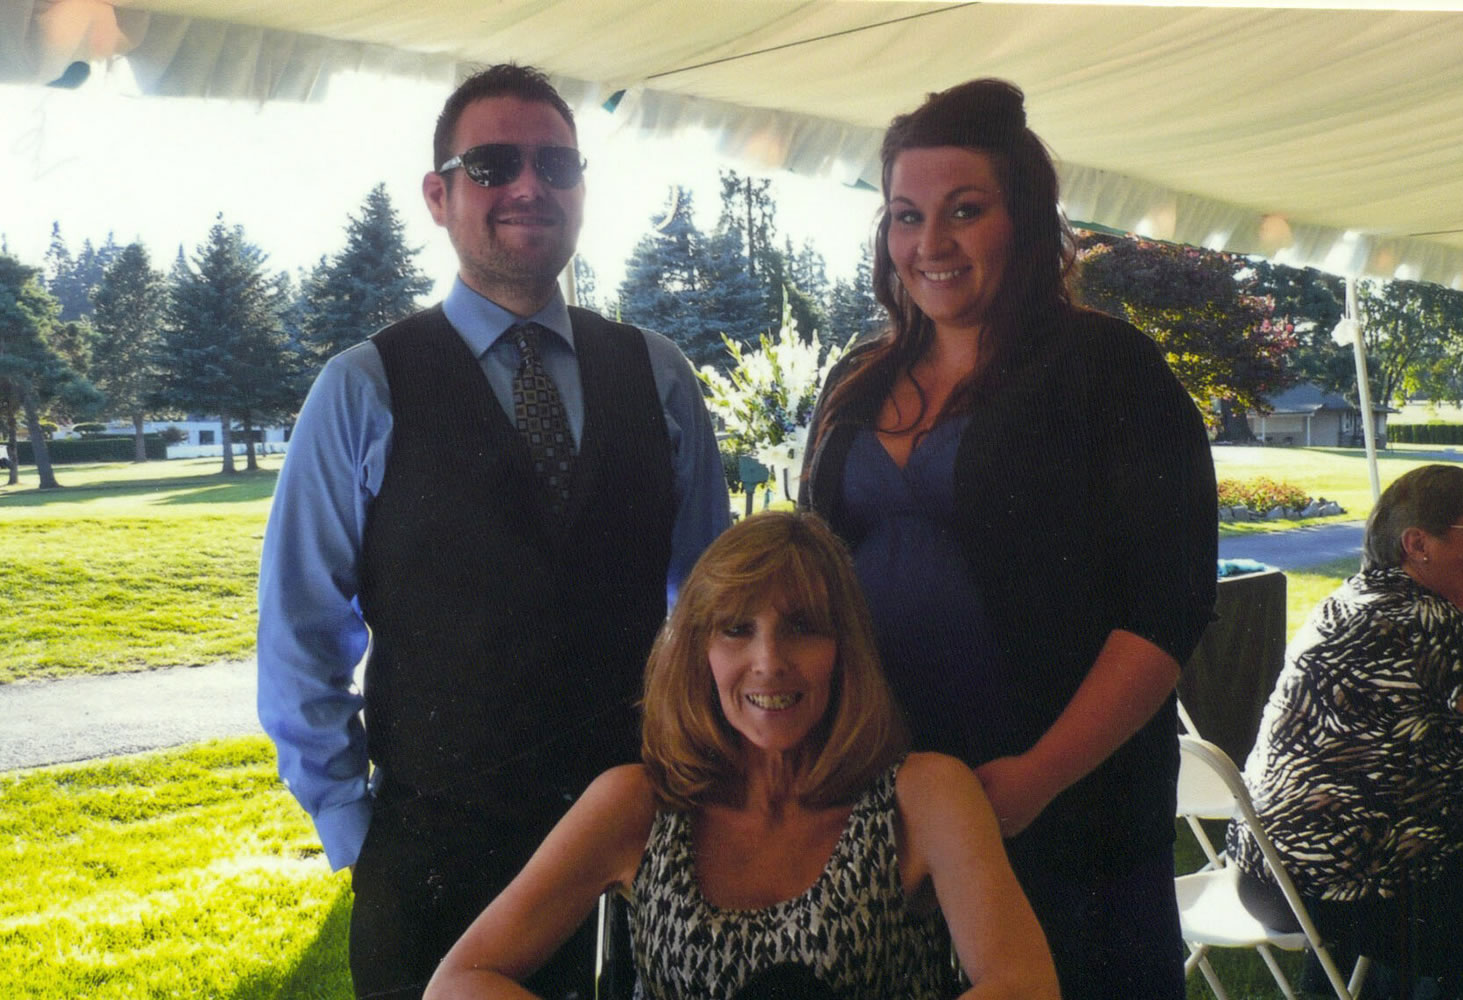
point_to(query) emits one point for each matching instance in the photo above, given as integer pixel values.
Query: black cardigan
(1089, 505)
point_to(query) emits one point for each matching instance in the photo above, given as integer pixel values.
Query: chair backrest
(1211, 787)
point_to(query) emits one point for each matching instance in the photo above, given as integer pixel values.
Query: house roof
(1308, 398)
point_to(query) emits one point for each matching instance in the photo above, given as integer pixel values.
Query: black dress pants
(425, 872)
(1412, 935)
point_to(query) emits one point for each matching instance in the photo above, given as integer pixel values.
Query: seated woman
(1357, 772)
(775, 818)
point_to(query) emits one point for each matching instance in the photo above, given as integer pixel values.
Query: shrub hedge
(1425, 433)
(97, 449)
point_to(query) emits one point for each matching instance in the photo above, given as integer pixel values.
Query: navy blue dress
(943, 673)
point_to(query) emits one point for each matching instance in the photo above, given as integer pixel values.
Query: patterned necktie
(541, 419)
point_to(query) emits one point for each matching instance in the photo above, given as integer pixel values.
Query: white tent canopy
(1331, 138)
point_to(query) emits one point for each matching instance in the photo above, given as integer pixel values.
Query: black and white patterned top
(852, 926)
(1357, 773)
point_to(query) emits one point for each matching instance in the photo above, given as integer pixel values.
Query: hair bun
(998, 105)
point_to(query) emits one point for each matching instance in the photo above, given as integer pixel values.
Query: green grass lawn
(130, 567)
(186, 873)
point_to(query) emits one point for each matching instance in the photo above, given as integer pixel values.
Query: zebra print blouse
(1357, 773)
(852, 928)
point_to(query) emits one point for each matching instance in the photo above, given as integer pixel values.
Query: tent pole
(1364, 389)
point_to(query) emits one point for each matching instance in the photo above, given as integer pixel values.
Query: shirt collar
(481, 321)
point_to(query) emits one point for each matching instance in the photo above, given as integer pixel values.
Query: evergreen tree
(853, 311)
(747, 210)
(32, 373)
(223, 342)
(275, 369)
(72, 279)
(130, 305)
(371, 283)
(806, 288)
(732, 302)
(662, 282)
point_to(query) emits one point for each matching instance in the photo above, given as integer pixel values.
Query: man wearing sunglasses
(492, 502)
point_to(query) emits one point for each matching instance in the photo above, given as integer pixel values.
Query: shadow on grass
(216, 487)
(238, 488)
(322, 972)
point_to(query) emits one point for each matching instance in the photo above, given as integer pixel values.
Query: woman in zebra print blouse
(1357, 772)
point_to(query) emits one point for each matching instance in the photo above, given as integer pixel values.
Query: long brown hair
(690, 750)
(987, 116)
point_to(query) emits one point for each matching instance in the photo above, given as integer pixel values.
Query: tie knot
(525, 337)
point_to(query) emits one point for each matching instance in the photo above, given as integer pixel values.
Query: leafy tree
(130, 307)
(371, 283)
(32, 372)
(224, 344)
(1225, 346)
(1311, 302)
(1414, 338)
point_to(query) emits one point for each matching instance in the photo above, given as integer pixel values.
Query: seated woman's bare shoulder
(619, 807)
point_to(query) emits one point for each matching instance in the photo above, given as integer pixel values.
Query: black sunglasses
(499, 163)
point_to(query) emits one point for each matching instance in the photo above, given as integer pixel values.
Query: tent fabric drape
(1329, 138)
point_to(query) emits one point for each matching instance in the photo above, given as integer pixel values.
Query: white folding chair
(1210, 911)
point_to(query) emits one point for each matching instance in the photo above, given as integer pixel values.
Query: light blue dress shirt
(311, 634)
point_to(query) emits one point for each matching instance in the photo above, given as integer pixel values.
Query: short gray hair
(1430, 498)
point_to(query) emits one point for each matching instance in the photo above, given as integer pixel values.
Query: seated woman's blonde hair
(688, 747)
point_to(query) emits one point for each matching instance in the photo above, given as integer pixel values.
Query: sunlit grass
(187, 873)
(130, 567)
(1338, 474)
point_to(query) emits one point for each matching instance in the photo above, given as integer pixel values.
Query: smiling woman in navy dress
(1030, 499)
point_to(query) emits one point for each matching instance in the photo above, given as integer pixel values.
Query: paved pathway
(79, 718)
(1297, 548)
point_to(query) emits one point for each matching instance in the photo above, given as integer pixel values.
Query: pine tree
(748, 210)
(371, 283)
(853, 311)
(806, 285)
(662, 281)
(130, 305)
(732, 302)
(223, 343)
(72, 279)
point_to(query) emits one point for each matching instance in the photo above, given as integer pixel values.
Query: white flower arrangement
(767, 402)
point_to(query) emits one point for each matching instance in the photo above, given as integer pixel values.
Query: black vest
(506, 651)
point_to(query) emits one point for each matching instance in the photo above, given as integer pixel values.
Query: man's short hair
(502, 80)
